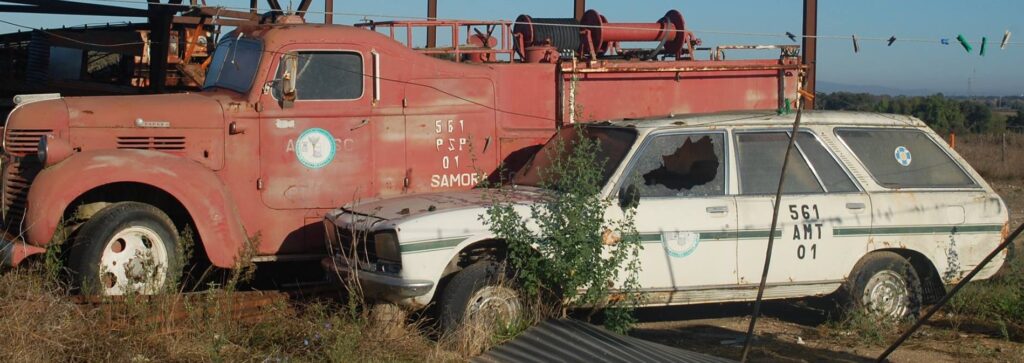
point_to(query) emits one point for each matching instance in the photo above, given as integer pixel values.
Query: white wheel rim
(493, 304)
(134, 260)
(887, 295)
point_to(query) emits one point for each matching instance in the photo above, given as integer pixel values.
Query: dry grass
(985, 153)
(40, 323)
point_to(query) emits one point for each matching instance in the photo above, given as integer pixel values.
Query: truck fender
(198, 189)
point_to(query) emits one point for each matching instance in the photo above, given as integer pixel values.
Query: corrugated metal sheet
(575, 341)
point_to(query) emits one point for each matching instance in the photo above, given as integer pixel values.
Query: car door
(317, 153)
(820, 202)
(684, 215)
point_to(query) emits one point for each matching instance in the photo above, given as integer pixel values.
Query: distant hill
(829, 87)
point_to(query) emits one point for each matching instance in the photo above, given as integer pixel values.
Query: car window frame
(930, 136)
(786, 131)
(646, 142)
(362, 63)
(835, 157)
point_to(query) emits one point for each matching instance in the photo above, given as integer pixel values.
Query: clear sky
(905, 65)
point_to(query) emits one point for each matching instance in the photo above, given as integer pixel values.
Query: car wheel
(886, 285)
(127, 247)
(479, 293)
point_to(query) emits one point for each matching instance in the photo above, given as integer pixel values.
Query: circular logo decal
(903, 156)
(315, 148)
(681, 244)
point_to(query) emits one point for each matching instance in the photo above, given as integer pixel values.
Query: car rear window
(905, 158)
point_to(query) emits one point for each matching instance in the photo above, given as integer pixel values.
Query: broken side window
(759, 157)
(680, 165)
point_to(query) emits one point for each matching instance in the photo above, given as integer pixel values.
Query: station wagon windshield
(234, 64)
(613, 144)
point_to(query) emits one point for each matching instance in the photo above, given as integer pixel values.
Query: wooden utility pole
(810, 46)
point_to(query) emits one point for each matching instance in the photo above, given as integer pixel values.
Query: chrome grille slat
(162, 143)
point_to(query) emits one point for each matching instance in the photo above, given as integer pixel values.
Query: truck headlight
(386, 244)
(52, 150)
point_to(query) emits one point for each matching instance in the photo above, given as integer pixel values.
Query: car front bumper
(376, 285)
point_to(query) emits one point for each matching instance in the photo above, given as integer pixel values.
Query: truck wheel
(127, 247)
(479, 293)
(886, 285)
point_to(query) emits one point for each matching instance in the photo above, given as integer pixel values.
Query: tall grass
(39, 322)
(985, 153)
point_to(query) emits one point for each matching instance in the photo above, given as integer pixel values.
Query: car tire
(886, 285)
(480, 291)
(127, 247)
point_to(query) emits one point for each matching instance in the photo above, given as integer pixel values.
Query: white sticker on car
(903, 156)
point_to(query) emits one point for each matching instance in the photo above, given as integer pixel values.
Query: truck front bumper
(377, 285)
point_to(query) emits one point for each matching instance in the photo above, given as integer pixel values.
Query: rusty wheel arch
(85, 205)
(931, 282)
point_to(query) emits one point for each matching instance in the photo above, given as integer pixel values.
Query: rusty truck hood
(421, 204)
(179, 111)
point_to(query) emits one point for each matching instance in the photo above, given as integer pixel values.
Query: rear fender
(197, 188)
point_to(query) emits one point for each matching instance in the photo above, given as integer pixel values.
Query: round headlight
(41, 151)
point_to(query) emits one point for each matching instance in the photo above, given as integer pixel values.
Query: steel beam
(303, 6)
(328, 11)
(253, 6)
(431, 31)
(810, 46)
(579, 7)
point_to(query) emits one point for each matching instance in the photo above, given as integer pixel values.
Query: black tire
(462, 289)
(131, 220)
(875, 275)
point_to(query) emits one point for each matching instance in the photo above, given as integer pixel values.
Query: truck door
(685, 217)
(820, 205)
(318, 152)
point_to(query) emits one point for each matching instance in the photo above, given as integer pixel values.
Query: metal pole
(252, 6)
(931, 311)
(810, 46)
(432, 30)
(329, 12)
(771, 235)
(579, 7)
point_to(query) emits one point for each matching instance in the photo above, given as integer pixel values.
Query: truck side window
(904, 158)
(327, 76)
(830, 173)
(681, 165)
(759, 156)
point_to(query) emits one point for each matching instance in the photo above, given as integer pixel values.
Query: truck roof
(772, 118)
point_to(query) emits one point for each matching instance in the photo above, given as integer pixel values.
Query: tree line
(941, 113)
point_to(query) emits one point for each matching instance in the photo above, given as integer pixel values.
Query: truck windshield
(613, 144)
(234, 64)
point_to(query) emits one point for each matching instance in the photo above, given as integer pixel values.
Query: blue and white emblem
(315, 148)
(681, 244)
(903, 156)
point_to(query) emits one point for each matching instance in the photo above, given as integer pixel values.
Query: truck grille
(19, 173)
(162, 143)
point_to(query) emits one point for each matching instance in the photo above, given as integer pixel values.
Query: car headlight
(386, 244)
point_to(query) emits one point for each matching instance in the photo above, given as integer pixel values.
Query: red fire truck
(295, 119)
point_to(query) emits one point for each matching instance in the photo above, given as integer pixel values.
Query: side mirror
(629, 197)
(290, 62)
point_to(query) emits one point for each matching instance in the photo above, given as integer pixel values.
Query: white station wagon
(875, 205)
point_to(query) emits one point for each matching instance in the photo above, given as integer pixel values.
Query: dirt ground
(799, 331)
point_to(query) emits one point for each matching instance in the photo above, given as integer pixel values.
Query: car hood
(416, 205)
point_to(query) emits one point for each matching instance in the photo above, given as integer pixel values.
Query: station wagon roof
(771, 118)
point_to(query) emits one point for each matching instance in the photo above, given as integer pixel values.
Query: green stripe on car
(895, 230)
(431, 245)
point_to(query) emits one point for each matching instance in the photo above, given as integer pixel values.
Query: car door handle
(718, 209)
(856, 205)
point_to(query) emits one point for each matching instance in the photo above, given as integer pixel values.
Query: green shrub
(572, 252)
